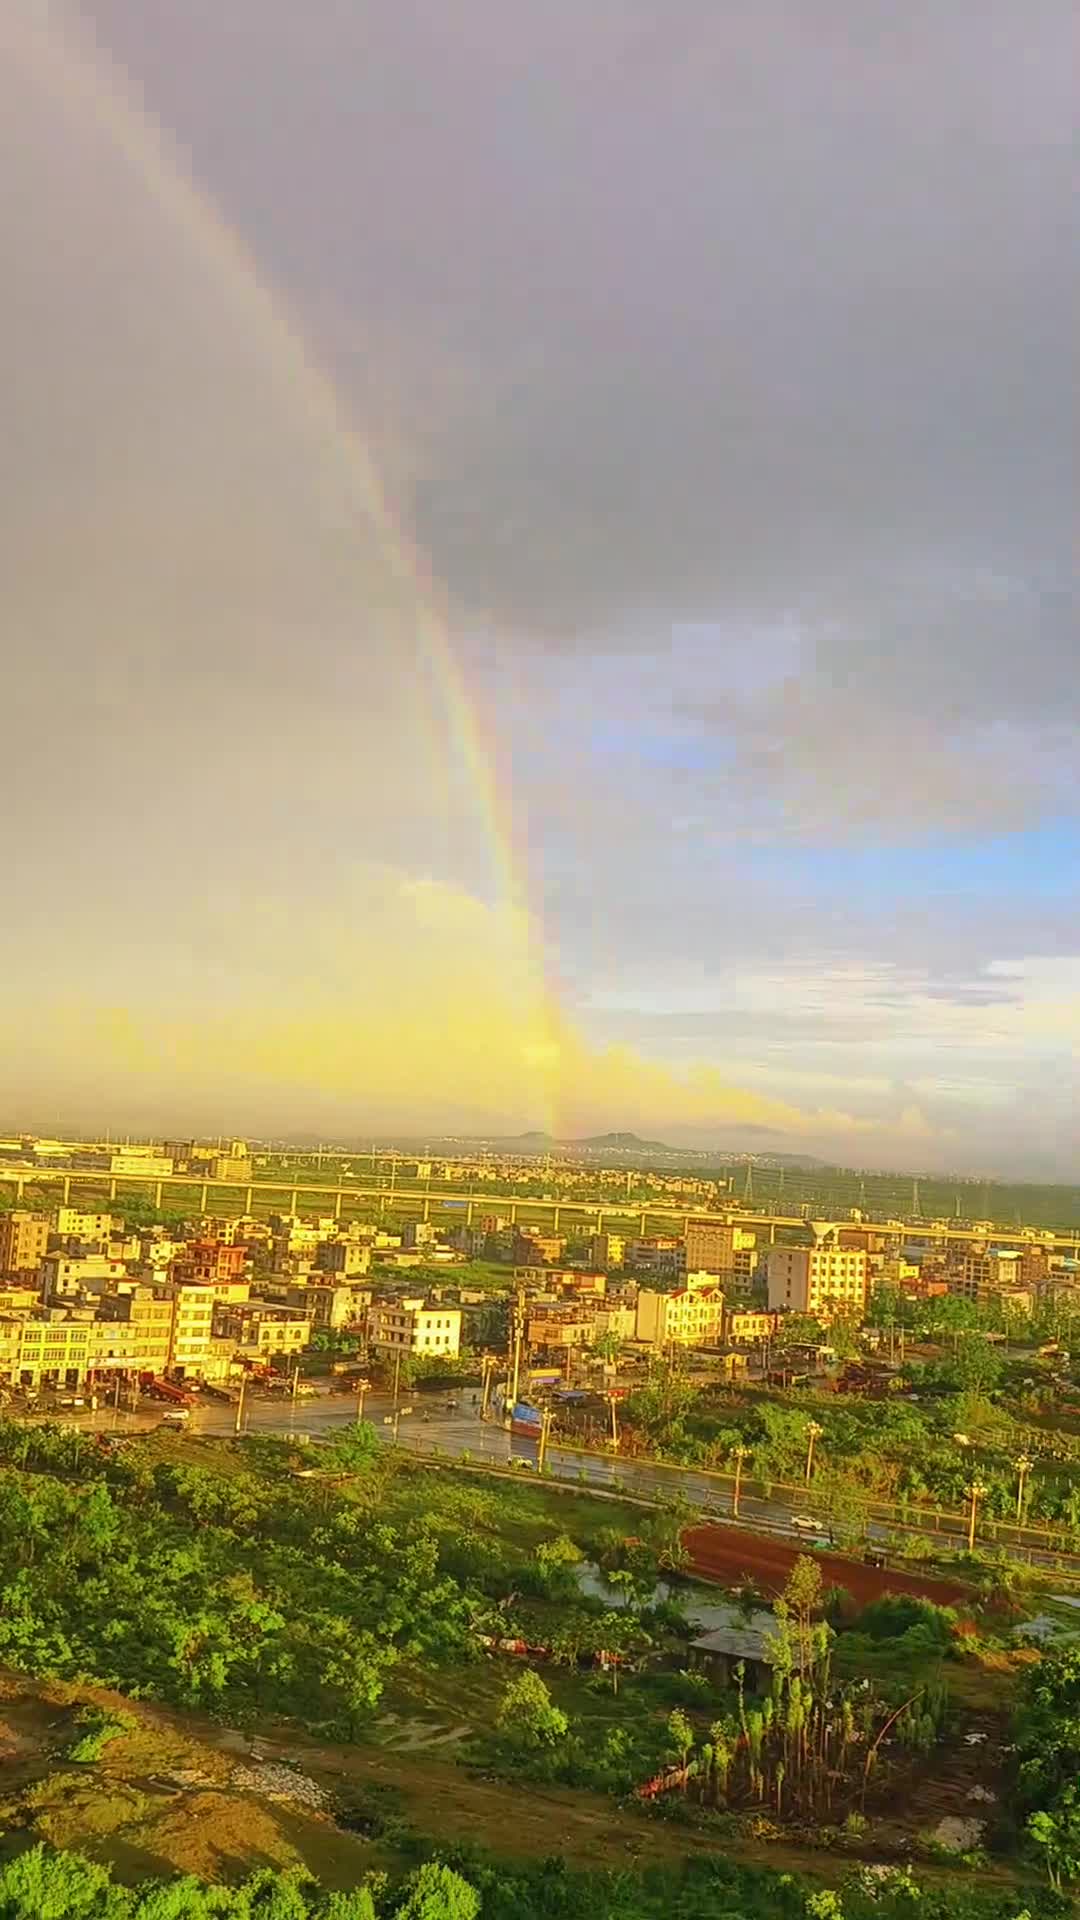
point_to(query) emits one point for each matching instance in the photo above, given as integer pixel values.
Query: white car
(808, 1525)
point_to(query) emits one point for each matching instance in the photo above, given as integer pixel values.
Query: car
(176, 1417)
(806, 1524)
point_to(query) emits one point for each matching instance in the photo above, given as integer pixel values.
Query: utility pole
(360, 1392)
(487, 1369)
(813, 1432)
(545, 1429)
(614, 1423)
(1023, 1465)
(397, 1376)
(976, 1490)
(240, 1404)
(740, 1454)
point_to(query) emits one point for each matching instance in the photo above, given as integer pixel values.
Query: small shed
(718, 1654)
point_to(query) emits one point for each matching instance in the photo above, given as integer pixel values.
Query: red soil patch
(727, 1555)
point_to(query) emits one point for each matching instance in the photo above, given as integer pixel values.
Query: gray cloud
(719, 363)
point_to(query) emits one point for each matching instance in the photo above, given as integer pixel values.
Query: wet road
(425, 1426)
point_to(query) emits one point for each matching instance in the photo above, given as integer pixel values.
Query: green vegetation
(902, 1451)
(45, 1885)
(100, 1729)
(1048, 1762)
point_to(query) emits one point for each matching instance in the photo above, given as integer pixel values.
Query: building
(141, 1163)
(983, 1274)
(690, 1317)
(328, 1306)
(344, 1257)
(409, 1326)
(559, 1327)
(261, 1329)
(418, 1236)
(566, 1279)
(607, 1250)
(23, 1240)
(746, 1648)
(657, 1254)
(234, 1166)
(64, 1274)
(727, 1251)
(823, 1280)
(53, 1349)
(131, 1332)
(210, 1262)
(73, 1224)
(193, 1326)
(535, 1247)
(746, 1326)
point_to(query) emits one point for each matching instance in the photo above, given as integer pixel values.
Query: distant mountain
(534, 1138)
(624, 1142)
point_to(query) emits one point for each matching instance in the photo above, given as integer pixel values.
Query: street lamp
(739, 1454)
(976, 1491)
(813, 1432)
(1023, 1464)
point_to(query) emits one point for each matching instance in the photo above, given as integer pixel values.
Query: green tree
(527, 1713)
(438, 1893)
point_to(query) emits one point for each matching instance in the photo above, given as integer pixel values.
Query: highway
(430, 1430)
(456, 1208)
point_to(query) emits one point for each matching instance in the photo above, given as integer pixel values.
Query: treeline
(43, 1884)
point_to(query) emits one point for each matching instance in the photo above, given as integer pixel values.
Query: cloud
(716, 369)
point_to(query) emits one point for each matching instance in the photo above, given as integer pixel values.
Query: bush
(895, 1614)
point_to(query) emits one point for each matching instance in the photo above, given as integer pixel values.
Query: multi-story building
(23, 1240)
(418, 1235)
(536, 1247)
(54, 1349)
(211, 1261)
(262, 1329)
(344, 1257)
(141, 1163)
(689, 1317)
(64, 1274)
(193, 1326)
(607, 1250)
(746, 1326)
(131, 1332)
(657, 1254)
(410, 1326)
(566, 1279)
(326, 1305)
(559, 1327)
(72, 1223)
(728, 1252)
(823, 1279)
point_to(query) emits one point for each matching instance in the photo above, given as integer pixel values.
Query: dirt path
(726, 1554)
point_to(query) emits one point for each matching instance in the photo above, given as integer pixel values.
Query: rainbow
(86, 82)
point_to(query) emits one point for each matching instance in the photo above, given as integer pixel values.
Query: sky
(538, 572)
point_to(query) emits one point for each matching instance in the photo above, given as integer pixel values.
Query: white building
(822, 1280)
(72, 1223)
(408, 1326)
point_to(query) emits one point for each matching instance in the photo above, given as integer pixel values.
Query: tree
(681, 1735)
(527, 1713)
(438, 1893)
(1057, 1833)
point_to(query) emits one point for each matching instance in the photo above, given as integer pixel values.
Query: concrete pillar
(338, 1197)
(772, 1233)
(19, 1189)
(426, 1215)
(203, 1196)
(294, 1199)
(555, 1221)
(382, 1204)
(642, 1225)
(513, 1213)
(112, 1189)
(468, 1213)
(157, 1196)
(249, 1196)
